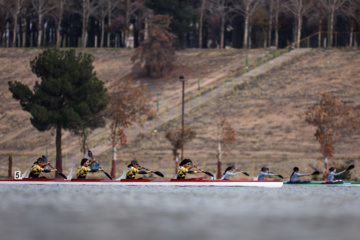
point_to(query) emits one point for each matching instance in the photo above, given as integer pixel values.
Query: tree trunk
(201, 22)
(58, 39)
(299, 30)
(325, 169)
(246, 28)
(270, 23)
(319, 39)
(102, 31)
(58, 151)
(39, 29)
(331, 28)
(176, 161)
(14, 31)
(351, 35)
(222, 31)
(84, 23)
(219, 157)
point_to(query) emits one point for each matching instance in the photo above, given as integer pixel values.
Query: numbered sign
(17, 175)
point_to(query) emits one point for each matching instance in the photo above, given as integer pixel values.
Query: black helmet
(42, 160)
(331, 169)
(264, 168)
(185, 161)
(296, 169)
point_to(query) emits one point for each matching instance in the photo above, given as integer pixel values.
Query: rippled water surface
(140, 212)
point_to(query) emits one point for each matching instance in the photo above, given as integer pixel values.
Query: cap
(295, 169)
(331, 169)
(264, 168)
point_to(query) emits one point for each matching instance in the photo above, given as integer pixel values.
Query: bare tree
(42, 8)
(332, 7)
(202, 8)
(128, 104)
(247, 9)
(351, 12)
(330, 117)
(87, 9)
(14, 7)
(299, 8)
(177, 141)
(58, 15)
(225, 135)
(317, 15)
(220, 10)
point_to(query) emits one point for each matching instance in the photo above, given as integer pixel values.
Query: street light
(182, 79)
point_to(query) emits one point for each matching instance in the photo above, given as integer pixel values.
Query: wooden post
(10, 167)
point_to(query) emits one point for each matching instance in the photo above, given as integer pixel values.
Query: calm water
(129, 212)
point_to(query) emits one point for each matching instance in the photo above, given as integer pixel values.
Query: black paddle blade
(90, 154)
(108, 175)
(280, 176)
(159, 173)
(209, 174)
(245, 173)
(61, 174)
(350, 167)
(315, 173)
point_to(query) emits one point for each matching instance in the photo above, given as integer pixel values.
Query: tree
(299, 8)
(317, 15)
(128, 104)
(58, 15)
(42, 8)
(332, 7)
(182, 13)
(247, 9)
(225, 135)
(69, 95)
(220, 10)
(87, 9)
(351, 12)
(175, 138)
(14, 8)
(156, 53)
(330, 117)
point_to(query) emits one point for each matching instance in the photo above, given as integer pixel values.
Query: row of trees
(196, 23)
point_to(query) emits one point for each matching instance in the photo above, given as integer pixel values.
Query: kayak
(148, 182)
(341, 183)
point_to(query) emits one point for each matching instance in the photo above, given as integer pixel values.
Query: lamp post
(182, 79)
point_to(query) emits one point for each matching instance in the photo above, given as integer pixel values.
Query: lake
(141, 212)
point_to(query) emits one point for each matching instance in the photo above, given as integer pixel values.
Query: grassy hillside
(265, 112)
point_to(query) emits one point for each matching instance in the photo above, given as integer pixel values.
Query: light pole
(182, 79)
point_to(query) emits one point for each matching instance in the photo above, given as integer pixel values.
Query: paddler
(39, 167)
(333, 173)
(84, 168)
(264, 173)
(135, 168)
(296, 174)
(230, 171)
(185, 166)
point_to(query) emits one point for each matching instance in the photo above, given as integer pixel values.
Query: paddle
(245, 173)
(206, 172)
(156, 172)
(350, 167)
(280, 176)
(315, 173)
(92, 158)
(61, 174)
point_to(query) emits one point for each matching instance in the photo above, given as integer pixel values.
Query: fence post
(10, 167)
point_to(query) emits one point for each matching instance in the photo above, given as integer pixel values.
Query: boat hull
(340, 183)
(145, 182)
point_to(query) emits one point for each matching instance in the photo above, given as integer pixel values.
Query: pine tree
(69, 96)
